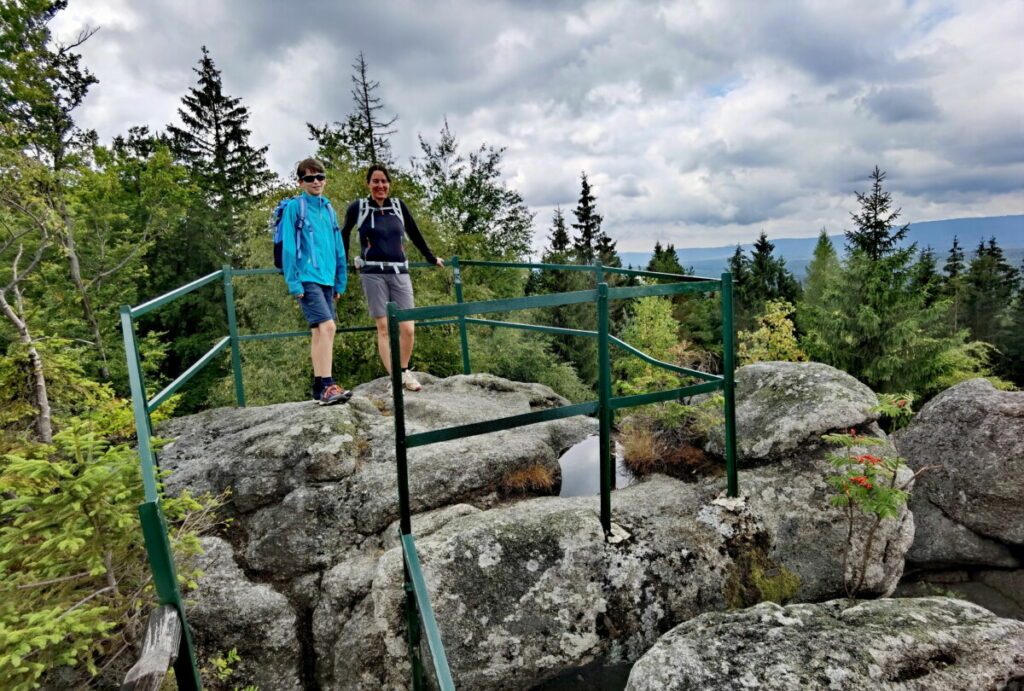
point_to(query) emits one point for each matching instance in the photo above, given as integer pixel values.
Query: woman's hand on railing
(440, 262)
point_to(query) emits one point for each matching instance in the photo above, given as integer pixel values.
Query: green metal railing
(418, 608)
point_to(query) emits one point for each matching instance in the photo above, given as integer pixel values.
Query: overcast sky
(698, 122)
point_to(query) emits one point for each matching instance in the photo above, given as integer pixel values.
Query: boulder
(781, 406)
(232, 612)
(525, 588)
(975, 434)
(927, 643)
(943, 543)
(312, 483)
(527, 591)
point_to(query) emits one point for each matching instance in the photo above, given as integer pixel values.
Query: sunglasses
(319, 177)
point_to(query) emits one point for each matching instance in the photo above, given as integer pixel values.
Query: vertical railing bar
(137, 385)
(236, 356)
(463, 337)
(399, 413)
(729, 385)
(604, 385)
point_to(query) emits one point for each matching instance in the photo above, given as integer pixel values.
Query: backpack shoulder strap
(300, 222)
(396, 207)
(364, 211)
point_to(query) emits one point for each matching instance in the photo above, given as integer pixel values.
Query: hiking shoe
(409, 381)
(334, 394)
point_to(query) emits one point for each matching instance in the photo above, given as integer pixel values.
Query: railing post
(729, 385)
(457, 271)
(236, 356)
(399, 414)
(604, 387)
(598, 272)
(404, 513)
(154, 527)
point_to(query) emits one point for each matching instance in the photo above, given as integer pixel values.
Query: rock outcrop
(524, 587)
(911, 644)
(970, 503)
(783, 406)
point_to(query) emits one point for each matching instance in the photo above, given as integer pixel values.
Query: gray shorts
(380, 289)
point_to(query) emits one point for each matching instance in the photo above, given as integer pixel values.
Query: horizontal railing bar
(285, 334)
(199, 364)
(162, 300)
(533, 327)
(660, 396)
(419, 590)
(663, 289)
(254, 272)
(653, 274)
(466, 309)
(347, 329)
(503, 423)
(529, 265)
(658, 363)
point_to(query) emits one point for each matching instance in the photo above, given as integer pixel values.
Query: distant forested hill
(1007, 230)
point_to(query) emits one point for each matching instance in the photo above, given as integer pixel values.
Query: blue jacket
(321, 255)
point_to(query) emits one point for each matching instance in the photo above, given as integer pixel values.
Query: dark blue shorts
(317, 303)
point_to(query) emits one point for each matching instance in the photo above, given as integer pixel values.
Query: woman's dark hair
(308, 166)
(375, 167)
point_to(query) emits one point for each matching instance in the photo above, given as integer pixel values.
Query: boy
(313, 263)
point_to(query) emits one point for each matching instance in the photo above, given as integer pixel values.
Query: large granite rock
(975, 434)
(525, 588)
(923, 644)
(781, 406)
(311, 484)
(232, 612)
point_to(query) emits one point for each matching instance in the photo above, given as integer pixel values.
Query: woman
(382, 223)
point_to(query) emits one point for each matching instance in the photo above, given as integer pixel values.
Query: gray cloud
(698, 122)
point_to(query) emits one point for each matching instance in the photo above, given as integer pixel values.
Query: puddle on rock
(581, 469)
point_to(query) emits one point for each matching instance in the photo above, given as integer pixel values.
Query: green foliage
(75, 582)
(895, 410)
(774, 339)
(651, 329)
(527, 357)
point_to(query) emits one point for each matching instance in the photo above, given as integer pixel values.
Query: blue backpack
(275, 228)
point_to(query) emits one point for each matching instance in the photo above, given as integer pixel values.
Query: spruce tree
(954, 284)
(990, 285)
(665, 260)
(213, 144)
(874, 325)
(587, 225)
(874, 234)
(925, 277)
(822, 278)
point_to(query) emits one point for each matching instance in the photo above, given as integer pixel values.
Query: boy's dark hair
(375, 167)
(308, 166)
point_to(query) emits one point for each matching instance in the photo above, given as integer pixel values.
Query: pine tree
(822, 277)
(214, 144)
(587, 225)
(874, 234)
(363, 138)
